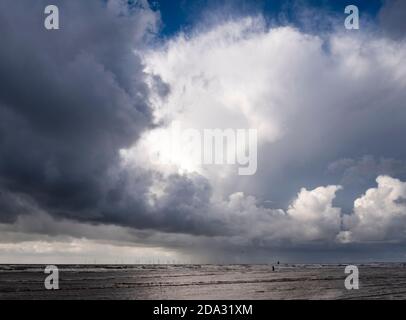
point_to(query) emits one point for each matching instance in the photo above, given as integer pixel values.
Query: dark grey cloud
(393, 18)
(362, 170)
(69, 100)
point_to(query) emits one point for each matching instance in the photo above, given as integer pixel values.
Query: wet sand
(203, 282)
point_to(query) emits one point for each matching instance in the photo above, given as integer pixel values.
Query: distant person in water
(273, 268)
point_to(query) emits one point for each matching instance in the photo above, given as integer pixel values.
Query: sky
(84, 108)
(183, 15)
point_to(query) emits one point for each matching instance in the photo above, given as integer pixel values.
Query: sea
(204, 282)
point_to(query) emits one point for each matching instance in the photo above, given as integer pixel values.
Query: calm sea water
(377, 281)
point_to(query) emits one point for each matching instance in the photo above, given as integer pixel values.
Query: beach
(203, 282)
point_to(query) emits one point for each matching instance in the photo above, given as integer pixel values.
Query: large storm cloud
(69, 99)
(80, 108)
